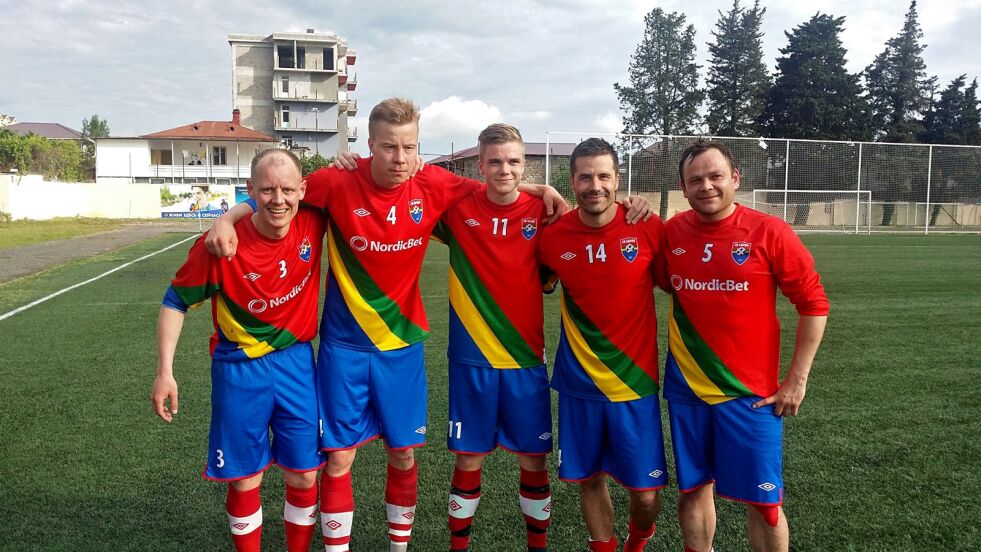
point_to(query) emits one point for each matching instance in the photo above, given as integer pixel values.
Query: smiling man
(606, 364)
(721, 374)
(264, 309)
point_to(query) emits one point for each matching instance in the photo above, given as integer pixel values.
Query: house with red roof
(205, 152)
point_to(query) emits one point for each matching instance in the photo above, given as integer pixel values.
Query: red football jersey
(608, 344)
(724, 335)
(494, 284)
(376, 242)
(265, 297)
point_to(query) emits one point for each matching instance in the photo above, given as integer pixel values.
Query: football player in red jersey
(605, 369)
(262, 361)
(721, 380)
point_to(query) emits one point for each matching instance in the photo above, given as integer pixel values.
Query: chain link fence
(816, 186)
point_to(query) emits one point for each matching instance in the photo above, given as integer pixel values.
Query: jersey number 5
(708, 253)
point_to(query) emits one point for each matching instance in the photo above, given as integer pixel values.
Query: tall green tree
(92, 128)
(95, 127)
(737, 77)
(663, 95)
(943, 123)
(814, 96)
(899, 88)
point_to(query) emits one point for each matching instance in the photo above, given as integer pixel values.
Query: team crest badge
(629, 248)
(305, 250)
(740, 252)
(415, 210)
(528, 227)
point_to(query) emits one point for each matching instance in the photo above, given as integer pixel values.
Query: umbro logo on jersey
(471, 222)
(421, 430)
(678, 251)
(409, 515)
(454, 505)
(567, 256)
(362, 212)
(767, 486)
(252, 276)
(240, 525)
(545, 436)
(656, 473)
(334, 525)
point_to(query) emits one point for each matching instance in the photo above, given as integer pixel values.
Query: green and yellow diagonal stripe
(612, 371)
(706, 374)
(255, 337)
(378, 315)
(492, 331)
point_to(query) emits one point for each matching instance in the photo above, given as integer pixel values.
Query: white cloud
(610, 123)
(529, 116)
(456, 119)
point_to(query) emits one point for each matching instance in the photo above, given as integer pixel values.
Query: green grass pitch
(886, 454)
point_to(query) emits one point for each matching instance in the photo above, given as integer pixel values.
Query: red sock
(637, 538)
(244, 510)
(400, 502)
(604, 546)
(535, 496)
(336, 511)
(464, 498)
(300, 517)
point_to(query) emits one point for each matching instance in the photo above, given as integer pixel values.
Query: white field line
(90, 280)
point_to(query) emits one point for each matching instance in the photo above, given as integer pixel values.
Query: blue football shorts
(248, 398)
(731, 444)
(367, 394)
(507, 408)
(621, 439)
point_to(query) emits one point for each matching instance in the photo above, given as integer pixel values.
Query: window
(285, 116)
(288, 142)
(329, 59)
(285, 81)
(301, 57)
(219, 156)
(286, 60)
(161, 157)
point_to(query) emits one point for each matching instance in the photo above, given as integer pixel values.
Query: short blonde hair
(499, 133)
(394, 111)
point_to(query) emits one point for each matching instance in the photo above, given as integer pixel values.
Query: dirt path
(17, 262)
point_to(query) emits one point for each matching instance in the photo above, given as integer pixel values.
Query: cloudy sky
(541, 65)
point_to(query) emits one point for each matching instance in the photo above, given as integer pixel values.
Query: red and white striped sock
(535, 496)
(464, 498)
(637, 537)
(400, 504)
(300, 517)
(244, 510)
(336, 511)
(603, 546)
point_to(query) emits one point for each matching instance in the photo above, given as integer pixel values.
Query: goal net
(815, 210)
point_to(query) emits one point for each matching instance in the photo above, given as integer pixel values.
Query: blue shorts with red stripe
(621, 439)
(730, 443)
(248, 398)
(367, 394)
(509, 408)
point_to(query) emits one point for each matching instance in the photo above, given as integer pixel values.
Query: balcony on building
(351, 106)
(352, 134)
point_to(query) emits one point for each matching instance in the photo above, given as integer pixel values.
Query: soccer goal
(817, 210)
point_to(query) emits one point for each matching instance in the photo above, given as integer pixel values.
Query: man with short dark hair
(725, 264)
(264, 309)
(606, 364)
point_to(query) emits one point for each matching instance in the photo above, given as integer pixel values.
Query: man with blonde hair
(370, 365)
